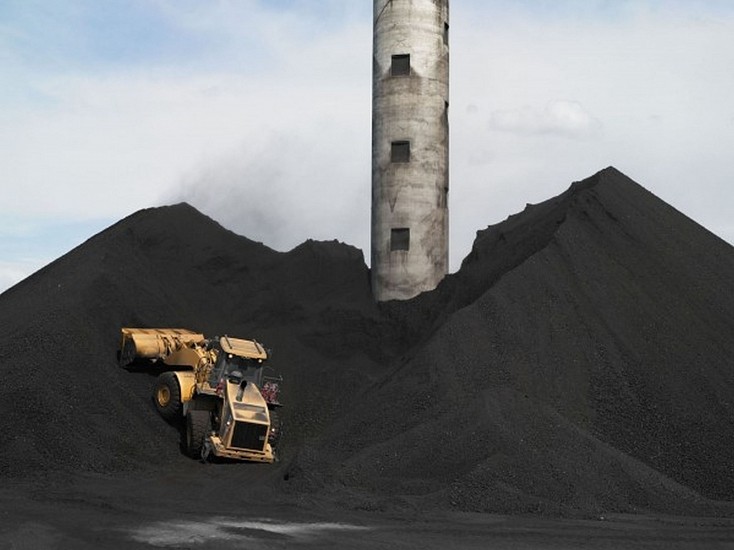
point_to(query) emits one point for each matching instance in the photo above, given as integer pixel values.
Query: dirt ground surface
(577, 367)
(118, 513)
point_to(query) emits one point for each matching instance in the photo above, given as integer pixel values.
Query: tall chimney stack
(410, 147)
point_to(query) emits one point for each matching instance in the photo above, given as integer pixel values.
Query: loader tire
(275, 427)
(167, 396)
(198, 424)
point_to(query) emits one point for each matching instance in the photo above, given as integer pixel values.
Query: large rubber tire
(198, 424)
(167, 396)
(275, 429)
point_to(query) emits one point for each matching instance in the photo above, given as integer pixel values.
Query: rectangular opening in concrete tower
(400, 151)
(446, 34)
(400, 239)
(400, 65)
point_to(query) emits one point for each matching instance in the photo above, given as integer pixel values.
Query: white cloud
(12, 273)
(285, 188)
(646, 93)
(558, 117)
(266, 126)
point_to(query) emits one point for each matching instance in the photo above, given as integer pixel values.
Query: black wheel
(275, 427)
(167, 396)
(198, 424)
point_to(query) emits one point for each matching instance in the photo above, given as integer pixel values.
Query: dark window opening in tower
(446, 34)
(400, 65)
(400, 151)
(400, 239)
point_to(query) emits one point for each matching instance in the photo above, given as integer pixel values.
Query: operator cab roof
(243, 348)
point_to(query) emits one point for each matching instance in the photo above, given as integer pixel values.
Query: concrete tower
(410, 147)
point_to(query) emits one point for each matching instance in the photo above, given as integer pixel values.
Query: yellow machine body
(245, 425)
(240, 416)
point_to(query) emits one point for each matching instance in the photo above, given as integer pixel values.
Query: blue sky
(258, 113)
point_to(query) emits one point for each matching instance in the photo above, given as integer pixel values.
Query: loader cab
(230, 366)
(243, 359)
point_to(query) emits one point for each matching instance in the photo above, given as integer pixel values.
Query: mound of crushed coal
(580, 360)
(66, 404)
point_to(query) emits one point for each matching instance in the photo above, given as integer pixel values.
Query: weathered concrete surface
(413, 108)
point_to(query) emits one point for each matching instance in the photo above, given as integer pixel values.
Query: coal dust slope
(580, 360)
(66, 405)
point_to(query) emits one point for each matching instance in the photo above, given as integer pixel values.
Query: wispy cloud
(258, 112)
(28, 243)
(12, 272)
(284, 188)
(558, 117)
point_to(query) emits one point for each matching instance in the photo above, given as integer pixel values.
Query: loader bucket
(154, 343)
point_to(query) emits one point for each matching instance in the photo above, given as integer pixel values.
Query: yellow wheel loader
(218, 385)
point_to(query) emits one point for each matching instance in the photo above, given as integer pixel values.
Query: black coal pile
(579, 361)
(67, 404)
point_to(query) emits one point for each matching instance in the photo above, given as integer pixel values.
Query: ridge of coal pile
(579, 361)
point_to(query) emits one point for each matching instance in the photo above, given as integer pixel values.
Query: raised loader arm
(167, 344)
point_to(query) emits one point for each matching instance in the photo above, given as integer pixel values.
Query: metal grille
(249, 436)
